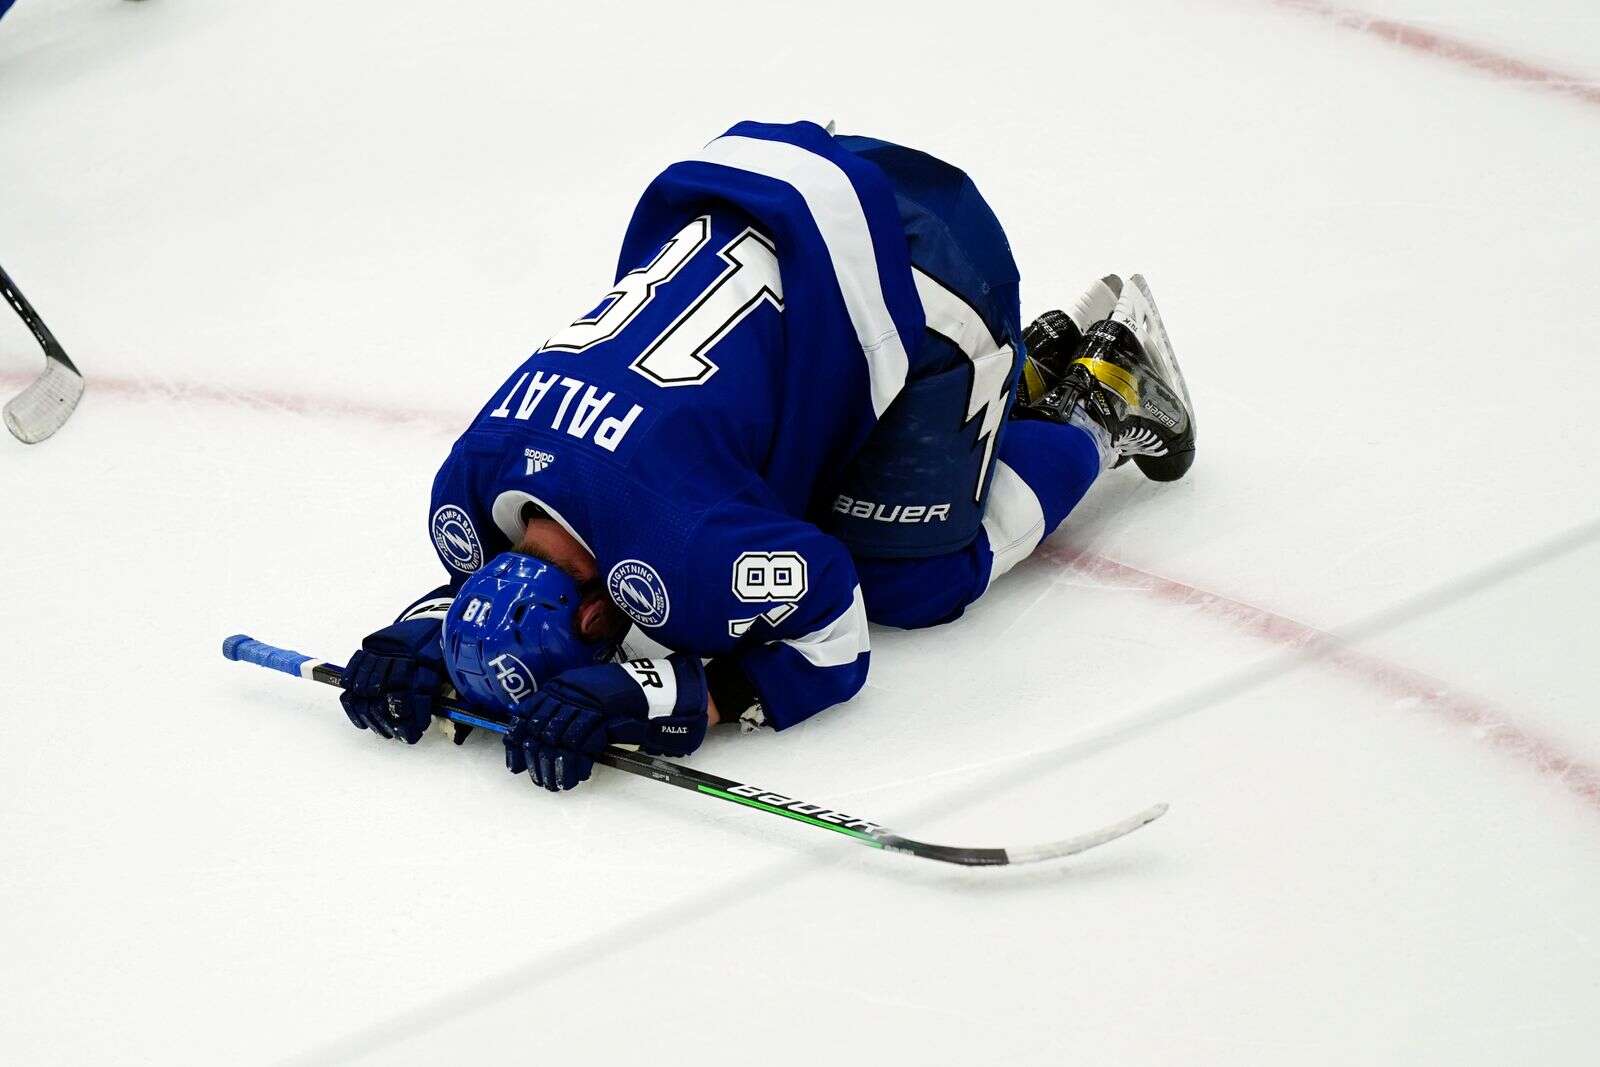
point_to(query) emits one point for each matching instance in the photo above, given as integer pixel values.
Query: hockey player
(807, 403)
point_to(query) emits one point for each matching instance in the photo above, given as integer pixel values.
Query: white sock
(1102, 440)
(1097, 303)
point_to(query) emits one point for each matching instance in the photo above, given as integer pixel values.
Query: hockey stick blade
(249, 650)
(43, 407)
(1053, 850)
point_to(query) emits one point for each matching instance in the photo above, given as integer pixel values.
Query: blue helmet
(514, 623)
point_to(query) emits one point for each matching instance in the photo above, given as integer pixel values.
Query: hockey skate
(1124, 374)
(1053, 338)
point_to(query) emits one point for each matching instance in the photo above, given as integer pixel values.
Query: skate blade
(1144, 318)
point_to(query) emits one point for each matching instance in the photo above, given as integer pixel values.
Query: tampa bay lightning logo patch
(637, 589)
(456, 540)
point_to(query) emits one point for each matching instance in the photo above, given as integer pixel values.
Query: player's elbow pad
(851, 679)
(810, 689)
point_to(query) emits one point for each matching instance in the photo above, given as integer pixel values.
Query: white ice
(294, 244)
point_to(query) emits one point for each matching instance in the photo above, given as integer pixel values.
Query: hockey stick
(43, 407)
(241, 647)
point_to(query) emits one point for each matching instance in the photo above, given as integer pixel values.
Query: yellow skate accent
(1113, 377)
(1033, 386)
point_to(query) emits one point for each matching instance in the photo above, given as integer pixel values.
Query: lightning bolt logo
(954, 319)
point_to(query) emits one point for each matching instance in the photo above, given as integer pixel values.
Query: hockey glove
(390, 685)
(659, 705)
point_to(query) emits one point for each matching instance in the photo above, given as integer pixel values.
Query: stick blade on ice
(43, 408)
(1084, 842)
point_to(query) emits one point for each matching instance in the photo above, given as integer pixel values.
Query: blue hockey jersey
(690, 424)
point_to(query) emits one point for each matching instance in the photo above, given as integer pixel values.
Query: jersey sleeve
(788, 600)
(467, 522)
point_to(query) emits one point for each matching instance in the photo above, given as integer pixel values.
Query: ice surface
(1564, 34)
(292, 245)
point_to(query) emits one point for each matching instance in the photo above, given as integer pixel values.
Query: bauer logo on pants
(456, 540)
(637, 589)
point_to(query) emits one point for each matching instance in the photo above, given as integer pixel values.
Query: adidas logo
(537, 460)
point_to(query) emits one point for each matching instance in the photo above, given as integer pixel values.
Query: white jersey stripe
(842, 222)
(1014, 520)
(839, 643)
(507, 514)
(430, 608)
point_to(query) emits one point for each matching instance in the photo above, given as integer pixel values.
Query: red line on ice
(1453, 49)
(1492, 724)
(155, 389)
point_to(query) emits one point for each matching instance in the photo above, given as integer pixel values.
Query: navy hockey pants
(949, 493)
